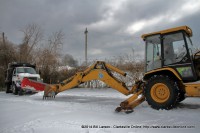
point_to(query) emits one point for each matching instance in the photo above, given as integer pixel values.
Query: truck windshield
(26, 70)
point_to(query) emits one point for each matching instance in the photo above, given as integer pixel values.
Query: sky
(114, 26)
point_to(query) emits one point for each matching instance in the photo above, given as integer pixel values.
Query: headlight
(18, 83)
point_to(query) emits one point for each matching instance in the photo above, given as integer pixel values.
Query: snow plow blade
(49, 90)
(28, 83)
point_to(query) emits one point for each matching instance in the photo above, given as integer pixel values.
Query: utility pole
(86, 32)
(5, 49)
(3, 36)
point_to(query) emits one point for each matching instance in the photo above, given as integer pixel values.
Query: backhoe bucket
(50, 91)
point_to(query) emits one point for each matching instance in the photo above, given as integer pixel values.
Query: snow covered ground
(83, 110)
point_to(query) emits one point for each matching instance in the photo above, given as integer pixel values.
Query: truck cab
(16, 72)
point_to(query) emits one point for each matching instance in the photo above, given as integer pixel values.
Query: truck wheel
(20, 92)
(8, 88)
(161, 92)
(14, 89)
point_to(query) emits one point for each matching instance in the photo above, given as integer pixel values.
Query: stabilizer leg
(128, 105)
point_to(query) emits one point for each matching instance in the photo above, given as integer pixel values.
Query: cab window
(190, 45)
(174, 48)
(153, 52)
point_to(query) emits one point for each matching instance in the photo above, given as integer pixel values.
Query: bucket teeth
(50, 95)
(46, 97)
(49, 92)
(118, 109)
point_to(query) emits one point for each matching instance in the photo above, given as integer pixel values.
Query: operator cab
(172, 48)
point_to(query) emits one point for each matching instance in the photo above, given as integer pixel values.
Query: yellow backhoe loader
(172, 72)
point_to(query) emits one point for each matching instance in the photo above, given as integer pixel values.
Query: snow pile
(84, 110)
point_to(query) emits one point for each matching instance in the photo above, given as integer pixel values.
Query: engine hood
(28, 75)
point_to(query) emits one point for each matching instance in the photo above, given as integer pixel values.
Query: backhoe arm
(98, 71)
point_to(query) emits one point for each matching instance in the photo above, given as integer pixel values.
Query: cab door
(176, 55)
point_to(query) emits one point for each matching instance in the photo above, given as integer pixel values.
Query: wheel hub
(160, 92)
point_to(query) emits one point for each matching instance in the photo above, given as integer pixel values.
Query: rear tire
(161, 92)
(8, 88)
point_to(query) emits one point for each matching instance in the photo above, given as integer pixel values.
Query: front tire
(14, 89)
(20, 92)
(161, 92)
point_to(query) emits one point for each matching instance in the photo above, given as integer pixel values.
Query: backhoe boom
(98, 71)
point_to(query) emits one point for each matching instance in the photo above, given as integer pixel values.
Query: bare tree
(33, 34)
(7, 52)
(7, 55)
(49, 56)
